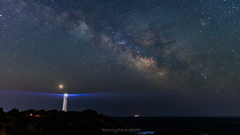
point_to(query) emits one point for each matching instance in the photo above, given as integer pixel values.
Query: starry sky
(152, 58)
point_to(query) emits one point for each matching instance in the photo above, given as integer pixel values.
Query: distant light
(60, 86)
(38, 116)
(136, 115)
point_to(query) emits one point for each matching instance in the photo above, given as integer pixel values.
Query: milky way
(169, 46)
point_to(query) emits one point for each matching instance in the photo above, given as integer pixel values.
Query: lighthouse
(64, 108)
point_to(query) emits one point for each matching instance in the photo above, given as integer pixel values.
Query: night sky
(146, 57)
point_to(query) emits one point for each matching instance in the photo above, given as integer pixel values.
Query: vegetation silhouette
(54, 122)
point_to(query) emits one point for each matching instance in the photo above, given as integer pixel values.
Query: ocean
(204, 125)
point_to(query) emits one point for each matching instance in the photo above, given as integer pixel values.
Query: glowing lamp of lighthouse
(64, 108)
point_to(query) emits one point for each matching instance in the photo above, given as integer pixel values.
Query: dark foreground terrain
(54, 122)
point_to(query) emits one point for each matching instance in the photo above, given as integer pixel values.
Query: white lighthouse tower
(64, 108)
